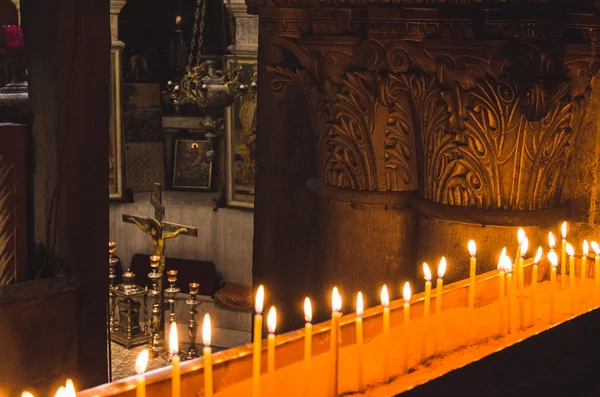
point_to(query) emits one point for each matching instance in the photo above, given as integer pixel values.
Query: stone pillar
(430, 126)
(246, 30)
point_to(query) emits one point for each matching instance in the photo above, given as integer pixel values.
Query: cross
(158, 229)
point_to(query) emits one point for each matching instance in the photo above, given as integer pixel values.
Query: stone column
(246, 30)
(430, 126)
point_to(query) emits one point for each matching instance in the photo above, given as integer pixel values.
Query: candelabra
(192, 326)
(155, 319)
(112, 262)
(172, 292)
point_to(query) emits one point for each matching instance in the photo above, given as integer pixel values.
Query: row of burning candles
(508, 285)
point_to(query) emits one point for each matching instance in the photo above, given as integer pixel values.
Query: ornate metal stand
(112, 262)
(172, 293)
(154, 320)
(192, 326)
(129, 332)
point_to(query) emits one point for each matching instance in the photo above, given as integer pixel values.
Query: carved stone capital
(115, 9)
(480, 124)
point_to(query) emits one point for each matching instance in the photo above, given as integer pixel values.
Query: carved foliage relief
(490, 131)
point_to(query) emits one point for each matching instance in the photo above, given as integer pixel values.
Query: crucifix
(160, 231)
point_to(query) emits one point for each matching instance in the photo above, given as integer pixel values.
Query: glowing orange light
(359, 304)
(70, 388)
(385, 297)
(442, 267)
(472, 247)
(520, 235)
(507, 263)
(586, 248)
(307, 310)
(406, 292)
(173, 339)
(426, 272)
(336, 300)
(141, 362)
(553, 258)
(570, 250)
(27, 394)
(272, 320)
(595, 247)
(563, 230)
(551, 240)
(538, 255)
(206, 330)
(260, 299)
(501, 260)
(524, 246)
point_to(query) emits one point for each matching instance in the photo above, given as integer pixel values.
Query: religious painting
(192, 164)
(115, 171)
(240, 120)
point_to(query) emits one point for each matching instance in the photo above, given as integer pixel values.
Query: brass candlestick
(172, 292)
(112, 262)
(155, 322)
(192, 326)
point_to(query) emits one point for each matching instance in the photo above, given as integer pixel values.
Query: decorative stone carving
(489, 126)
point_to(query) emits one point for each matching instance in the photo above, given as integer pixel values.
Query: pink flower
(13, 36)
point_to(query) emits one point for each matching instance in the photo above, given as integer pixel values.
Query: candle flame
(260, 299)
(406, 292)
(595, 247)
(272, 320)
(336, 300)
(570, 249)
(472, 247)
(553, 258)
(307, 310)
(586, 248)
(442, 267)
(520, 235)
(524, 247)
(563, 230)
(426, 272)
(359, 304)
(507, 263)
(61, 392)
(70, 389)
(501, 260)
(538, 256)
(173, 339)
(206, 330)
(141, 362)
(27, 394)
(551, 240)
(385, 297)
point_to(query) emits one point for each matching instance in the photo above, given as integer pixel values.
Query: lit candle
(406, 293)
(521, 283)
(472, 271)
(438, 299)
(385, 301)
(271, 325)
(512, 324)
(563, 256)
(534, 277)
(571, 252)
(336, 307)
(207, 353)
(520, 238)
(596, 249)
(140, 367)
(175, 360)
(258, 320)
(584, 267)
(427, 274)
(307, 342)
(501, 289)
(27, 394)
(553, 258)
(359, 341)
(70, 389)
(61, 392)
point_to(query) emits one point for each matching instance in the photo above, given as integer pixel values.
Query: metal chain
(232, 32)
(201, 33)
(194, 33)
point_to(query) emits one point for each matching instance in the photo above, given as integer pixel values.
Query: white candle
(472, 272)
(385, 301)
(438, 301)
(501, 290)
(175, 361)
(426, 308)
(334, 349)
(553, 258)
(563, 256)
(584, 267)
(359, 341)
(510, 284)
(307, 343)
(521, 285)
(258, 306)
(406, 293)
(271, 325)
(534, 277)
(207, 353)
(140, 367)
